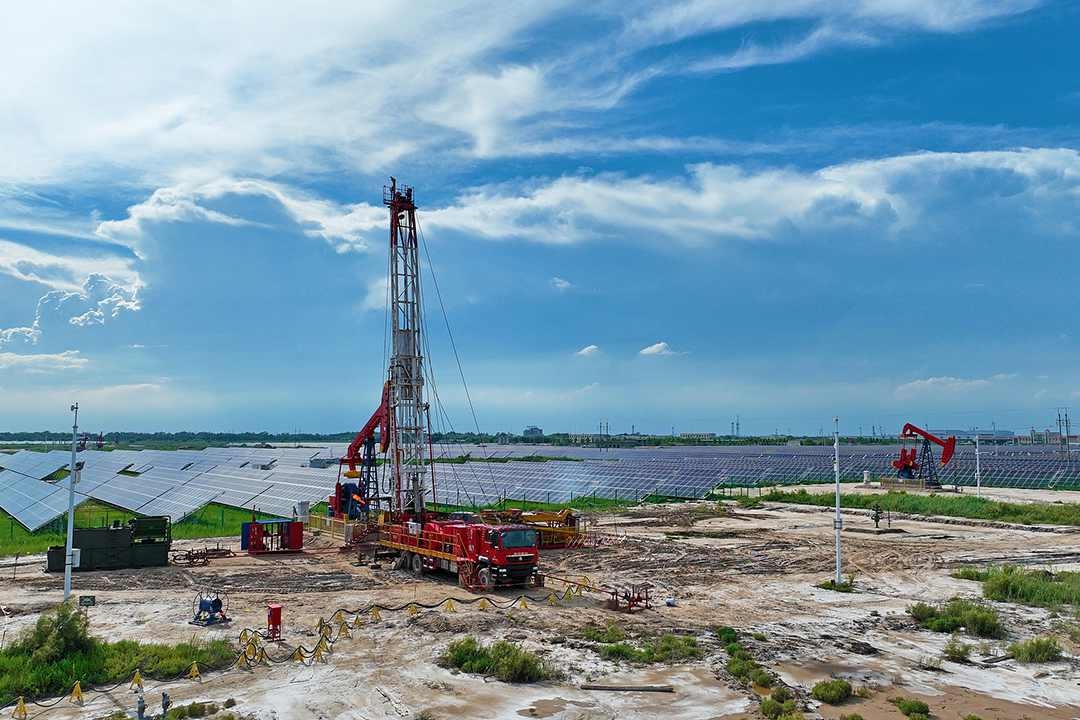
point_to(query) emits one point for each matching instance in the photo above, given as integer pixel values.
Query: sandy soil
(753, 570)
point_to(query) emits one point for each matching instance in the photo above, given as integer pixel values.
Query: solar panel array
(276, 480)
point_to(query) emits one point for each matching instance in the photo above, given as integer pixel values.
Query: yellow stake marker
(20, 710)
(413, 610)
(552, 599)
(338, 618)
(76, 694)
(136, 681)
(449, 606)
(263, 657)
(298, 655)
(522, 603)
(568, 593)
(193, 671)
(375, 614)
(343, 630)
(484, 604)
(358, 621)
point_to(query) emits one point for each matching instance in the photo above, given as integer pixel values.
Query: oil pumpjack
(910, 466)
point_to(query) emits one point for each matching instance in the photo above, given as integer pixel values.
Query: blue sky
(655, 214)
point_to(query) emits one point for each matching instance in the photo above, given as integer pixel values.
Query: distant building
(697, 436)
(532, 432)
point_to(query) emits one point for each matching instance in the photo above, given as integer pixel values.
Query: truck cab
(482, 555)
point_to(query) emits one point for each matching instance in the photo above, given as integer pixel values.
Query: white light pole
(838, 522)
(978, 468)
(72, 478)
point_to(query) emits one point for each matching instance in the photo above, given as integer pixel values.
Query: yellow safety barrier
(343, 630)
(568, 594)
(522, 603)
(484, 604)
(76, 694)
(358, 621)
(375, 614)
(322, 649)
(136, 681)
(262, 658)
(298, 655)
(338, 618)
(20, 710)
(449, 606)
(193, 671)
(552, 599)
(324, 628)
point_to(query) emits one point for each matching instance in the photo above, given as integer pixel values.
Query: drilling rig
(920, 465)
(482, 555)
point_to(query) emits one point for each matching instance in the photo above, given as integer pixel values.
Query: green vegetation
(845, 586)
(1039, 588)
(956, 650)
(949, 505)
(211, 521)
(761, 677)
(759, 636)
(851, 716)
(1036, 650)
(959, 614)
(665, 648)
(501, 659)
(726, 634)
(832, 692)
(49, 657)
(911, 707)
(194, 710)
(612, 633)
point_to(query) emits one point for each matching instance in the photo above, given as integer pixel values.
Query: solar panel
(179, 502)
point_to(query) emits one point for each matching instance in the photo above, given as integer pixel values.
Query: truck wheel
(417, 563)
(483, 578)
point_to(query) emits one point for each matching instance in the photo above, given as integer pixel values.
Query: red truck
(482, 556)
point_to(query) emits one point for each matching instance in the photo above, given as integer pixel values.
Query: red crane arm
(378, 420)
(948, 446)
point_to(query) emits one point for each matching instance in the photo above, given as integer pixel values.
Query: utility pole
(978, 468)
(838, 522)
(72, 479)
(736, 426)
(1068, 434)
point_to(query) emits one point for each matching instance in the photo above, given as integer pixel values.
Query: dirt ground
(754, 570)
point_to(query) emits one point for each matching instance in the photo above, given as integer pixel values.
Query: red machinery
(357, 498)
(483, 556)
(273, 622)
(272, 536)
(922, 467)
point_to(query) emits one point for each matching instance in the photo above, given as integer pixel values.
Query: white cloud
(560, 284)
(376, 296)
(947, 384)
(659, 348)
(67, 360)
(714, 202)
(61, 272)
(343, 226)
(588, 351)
(98, 300)
(673, 21)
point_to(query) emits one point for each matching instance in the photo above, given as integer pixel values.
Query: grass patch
(759, 636)
(1036, 650)
(956, 650)
(501, 659)
(49, 657)
(612, 633)
(844, 586)
(193, 710)
(726, 634)
(777, 710)
(663, 649)
(974, 508)
(959, 614)
(851, 716)
(832, 692)
(1038, 588)
(911, 707)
